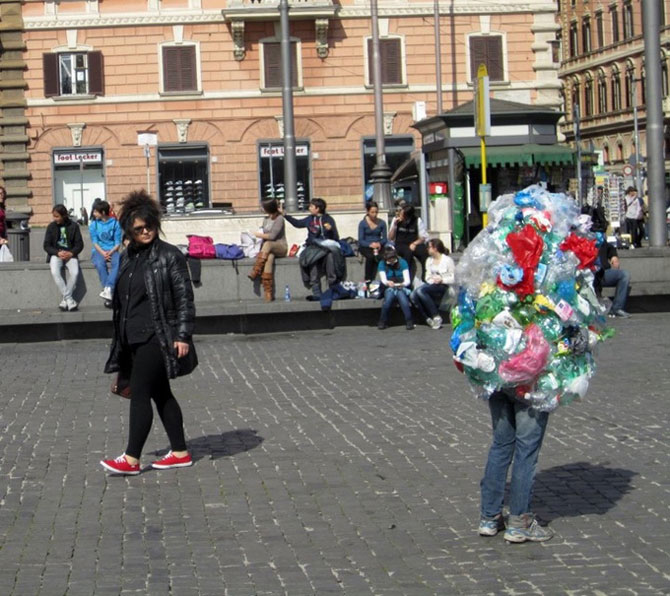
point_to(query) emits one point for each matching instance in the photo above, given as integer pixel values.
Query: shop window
(272, 65)
(180, 68)
(390, 52)
(398, 150)
(76, 73)
(271, 171)
(183, 178)
(573, 40)
(586, 34)
(600, 29)
(487, 49)
(614, 13)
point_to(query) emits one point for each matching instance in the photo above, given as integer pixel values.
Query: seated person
(63, 243)
(106, 238)
(322, 252)
(611, 275)
(408, 234)
(395, 283)
(372, 238)
(440, 271)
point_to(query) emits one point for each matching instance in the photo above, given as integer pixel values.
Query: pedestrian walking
(154, 316)
(634, 216)
(63, 243)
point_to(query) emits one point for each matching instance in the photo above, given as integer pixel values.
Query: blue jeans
(391, 295)
(107, 276)
(427, 298)
(621, 279)
(517, 434)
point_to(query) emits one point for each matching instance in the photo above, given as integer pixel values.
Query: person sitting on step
(273, 234)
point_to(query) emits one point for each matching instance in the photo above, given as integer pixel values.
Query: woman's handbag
(121, 386)
(187, 364)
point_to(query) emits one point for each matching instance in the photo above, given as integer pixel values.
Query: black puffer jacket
(172, 308)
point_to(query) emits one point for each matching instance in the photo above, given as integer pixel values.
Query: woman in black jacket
(154, 316)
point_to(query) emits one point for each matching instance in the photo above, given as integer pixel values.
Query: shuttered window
(390, 53)
(78, 73)
(487, 49)
(179, 68)
(272, 65)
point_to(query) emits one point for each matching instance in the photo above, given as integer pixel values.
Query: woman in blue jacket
(106, 238)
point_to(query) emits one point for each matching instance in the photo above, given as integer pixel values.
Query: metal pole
(578, 144)
(287, 110)
(381, 173)
(651, 20)
(438, 55)
(638, 181)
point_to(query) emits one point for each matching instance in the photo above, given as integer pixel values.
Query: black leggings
(149, 380)
(420, 254)
(371, 262)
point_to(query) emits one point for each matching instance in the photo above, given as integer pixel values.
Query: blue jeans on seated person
(518, 432)
(391, 296)
(108, 271)
(427, 298)
(621, 279)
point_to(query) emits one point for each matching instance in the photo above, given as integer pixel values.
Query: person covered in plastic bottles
(395, 283)
(372, 237)
(408, 234)
(611, 275)
(439, 274)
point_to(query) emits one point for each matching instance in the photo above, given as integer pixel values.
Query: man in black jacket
(63, 243)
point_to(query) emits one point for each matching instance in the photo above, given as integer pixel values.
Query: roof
(502, 106)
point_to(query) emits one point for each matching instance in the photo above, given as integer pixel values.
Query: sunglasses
(140, 229)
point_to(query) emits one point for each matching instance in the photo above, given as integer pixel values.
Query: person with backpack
(273, 235)
(106, 237)
(395, 283)
(63, 243)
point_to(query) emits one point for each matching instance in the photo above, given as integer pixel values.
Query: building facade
(603, 73)
(183, 96)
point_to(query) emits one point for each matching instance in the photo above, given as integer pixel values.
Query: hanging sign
(72, 158)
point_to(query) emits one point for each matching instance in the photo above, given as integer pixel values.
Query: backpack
(347, 250)
(201, 247)
(230, 252)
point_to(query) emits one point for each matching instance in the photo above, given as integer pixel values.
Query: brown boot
(261, 257)
(267, 279)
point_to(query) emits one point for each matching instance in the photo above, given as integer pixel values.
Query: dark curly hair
(139, 205)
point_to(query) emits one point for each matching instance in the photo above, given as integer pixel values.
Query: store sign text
(76, 158)
(278, 151)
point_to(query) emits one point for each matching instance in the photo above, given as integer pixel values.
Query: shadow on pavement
(579, 488)
(224, 445)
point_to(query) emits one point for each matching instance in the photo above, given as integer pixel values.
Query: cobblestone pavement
(338, 462)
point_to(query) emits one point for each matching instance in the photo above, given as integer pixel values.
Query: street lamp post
(381, 173)
(287, 110)
(438, 55)
(636, 129)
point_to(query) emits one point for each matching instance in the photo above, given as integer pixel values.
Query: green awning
(511, 155)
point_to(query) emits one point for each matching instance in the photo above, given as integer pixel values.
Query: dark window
(390, 52)
(576, 99)
(588, 97)
(77, 73)
(602, 94)
(600, 31)
(586, 34)
(573, 40)
(487, 49)
(615, 24)
(664, 76)
(616, 91)
(272, 65)
(628, 20)
(555, 51)
(179, 69)
(630, 87)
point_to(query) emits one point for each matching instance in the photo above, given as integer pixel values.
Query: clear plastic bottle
(287, 294)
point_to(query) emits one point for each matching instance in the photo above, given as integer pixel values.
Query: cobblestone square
(334, 462)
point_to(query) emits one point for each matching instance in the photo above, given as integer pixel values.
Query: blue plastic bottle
(287, 294)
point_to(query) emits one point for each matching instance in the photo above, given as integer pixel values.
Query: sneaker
(409, 326)
(71, 304)
(382, 325)
(437, 322)
(170, 460)
(524, 528)
(429, 322)
(490, 527)
(120, 465)
(106, 294)
(63, 305)
(622, 314)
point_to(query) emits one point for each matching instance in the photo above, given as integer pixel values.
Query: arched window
(664, 74)
(602, 92)
(616, 89)
(643, 91)
(606, 154)
(619, 151)
(576, 99)
(588, 95)
(630, 84)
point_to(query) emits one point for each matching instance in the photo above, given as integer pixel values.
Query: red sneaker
(120, 465)
(172, 461)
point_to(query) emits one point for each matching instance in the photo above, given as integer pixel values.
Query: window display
(271, 169)
(183, 179)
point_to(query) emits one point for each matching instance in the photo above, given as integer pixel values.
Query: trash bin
(18, 235)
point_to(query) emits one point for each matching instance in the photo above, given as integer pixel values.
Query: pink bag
(201, 247)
